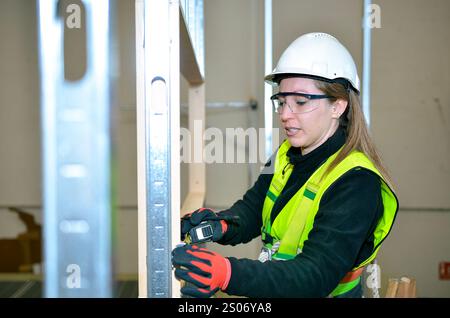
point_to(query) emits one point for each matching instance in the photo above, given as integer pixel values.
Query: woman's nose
(285, 113)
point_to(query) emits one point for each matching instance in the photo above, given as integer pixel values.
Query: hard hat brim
(275, 78)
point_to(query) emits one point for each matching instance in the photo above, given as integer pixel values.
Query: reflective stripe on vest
(296, 219)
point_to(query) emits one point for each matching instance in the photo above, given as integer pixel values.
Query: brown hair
(357, 133)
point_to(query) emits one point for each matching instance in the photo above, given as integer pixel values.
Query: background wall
(411, 125)
(19, 104)
(410, 113)
(234, 72)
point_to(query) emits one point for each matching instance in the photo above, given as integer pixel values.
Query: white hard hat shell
(318, 55)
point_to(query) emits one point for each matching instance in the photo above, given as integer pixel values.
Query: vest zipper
(284, 169)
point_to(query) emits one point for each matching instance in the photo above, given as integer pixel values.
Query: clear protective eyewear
(298, 103)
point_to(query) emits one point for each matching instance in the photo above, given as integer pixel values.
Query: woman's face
(308, 130)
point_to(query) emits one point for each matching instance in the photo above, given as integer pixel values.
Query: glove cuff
(228, 274)
(224, 225)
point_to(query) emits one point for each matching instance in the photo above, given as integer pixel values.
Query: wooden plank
(189, 65)
(193, 201)
(412, 290)
(392, 288)
(406, 288)
(197, 174)
(403, 288)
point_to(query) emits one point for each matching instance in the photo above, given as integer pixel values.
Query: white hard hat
(316, 55)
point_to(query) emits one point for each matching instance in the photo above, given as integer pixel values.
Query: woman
(326, 208)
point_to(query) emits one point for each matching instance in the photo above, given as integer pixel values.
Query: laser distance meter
(201, 233)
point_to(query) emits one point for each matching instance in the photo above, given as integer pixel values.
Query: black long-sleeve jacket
(340, 239)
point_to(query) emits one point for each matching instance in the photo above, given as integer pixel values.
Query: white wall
(234, 60)
(420, 240)
(411, 125)
(19, 104)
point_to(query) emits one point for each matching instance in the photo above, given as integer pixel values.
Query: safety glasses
(298, 103)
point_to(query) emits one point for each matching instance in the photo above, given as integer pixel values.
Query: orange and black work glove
(205, 270)
(191, 220)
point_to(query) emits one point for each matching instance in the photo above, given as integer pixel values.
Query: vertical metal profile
(76, 157)
(367, 47)
(268, 111)
(157, 135)
(158, 131)
(373, 269)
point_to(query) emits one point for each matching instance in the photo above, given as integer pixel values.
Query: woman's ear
(339, 107)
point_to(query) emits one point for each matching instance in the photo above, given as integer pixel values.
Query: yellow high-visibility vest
(291, 227)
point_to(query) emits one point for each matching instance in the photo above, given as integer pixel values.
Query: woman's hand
(204, 270)
(191, 220)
